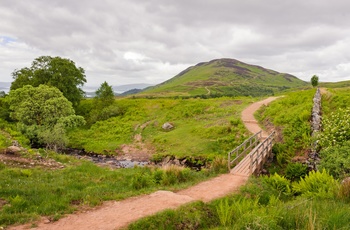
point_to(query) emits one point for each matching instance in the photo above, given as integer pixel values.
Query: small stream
(104, 160)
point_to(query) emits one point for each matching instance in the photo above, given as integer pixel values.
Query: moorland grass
(202, 126)
(33, 192)
(257, 206)
(291, 115)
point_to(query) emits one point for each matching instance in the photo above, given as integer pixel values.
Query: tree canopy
(43, 114)
(105, 95)
(53, 71)
(314, 80)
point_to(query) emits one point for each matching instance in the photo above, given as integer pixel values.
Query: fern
(316, 184)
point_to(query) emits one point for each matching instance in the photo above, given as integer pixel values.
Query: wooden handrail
(260, 152)
(252, 141)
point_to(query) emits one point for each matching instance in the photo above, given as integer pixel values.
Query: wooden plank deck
(255, 159)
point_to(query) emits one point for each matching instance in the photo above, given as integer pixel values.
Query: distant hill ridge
(226, 77)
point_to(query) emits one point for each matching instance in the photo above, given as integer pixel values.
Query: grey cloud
(300, 37)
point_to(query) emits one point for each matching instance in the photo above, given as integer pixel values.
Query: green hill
(225, 77)
(340, 84)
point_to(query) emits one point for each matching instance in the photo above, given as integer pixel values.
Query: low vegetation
(201, 127)
(265, 203)
(225, 77)
(290, 116)
(298, 200)
(206, 124)
(30, 192)
(204, 129)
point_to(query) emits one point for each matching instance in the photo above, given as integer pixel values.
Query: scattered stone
(47, 221)
(167, 126)
(15, 143)
(166, 160)
(177, 162)
(13, 150)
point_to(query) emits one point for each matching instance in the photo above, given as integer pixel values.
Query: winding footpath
(118, 214)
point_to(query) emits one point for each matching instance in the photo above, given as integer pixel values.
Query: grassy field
(274, 202)
(203, 127)
(290, 116)
(26, 193)
(206, 128)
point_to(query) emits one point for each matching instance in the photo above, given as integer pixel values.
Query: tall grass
(248, 211)
(31, 193)
(290, 115)
(202, 127)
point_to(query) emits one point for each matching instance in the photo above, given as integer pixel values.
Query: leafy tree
(104, 95)
(53, 71)
(43, 113)
(102, 107)
(314, 80)
(2, 94)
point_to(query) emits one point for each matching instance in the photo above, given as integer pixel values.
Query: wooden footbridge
(250, 156)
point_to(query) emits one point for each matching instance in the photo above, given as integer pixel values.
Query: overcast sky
(150, 41)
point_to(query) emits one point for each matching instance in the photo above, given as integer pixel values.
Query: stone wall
(316, 120)
(316, 113)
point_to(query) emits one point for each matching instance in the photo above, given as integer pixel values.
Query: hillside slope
(226, 77)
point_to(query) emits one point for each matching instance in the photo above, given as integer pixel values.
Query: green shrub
(293, 121)
(225, 212)
(316, 184)
(218, 165)
(344, 190)
(157, 175)
(141, 180)
(336, 160)
(295, 171)
(174, 174)
(278, 183)
(335, 129)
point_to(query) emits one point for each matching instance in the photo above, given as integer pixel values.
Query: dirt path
(118, 214)
(248, 119)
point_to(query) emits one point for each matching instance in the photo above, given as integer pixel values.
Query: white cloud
(130, 41)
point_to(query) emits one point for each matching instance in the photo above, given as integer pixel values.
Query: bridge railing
(243, 149)
(261, 153)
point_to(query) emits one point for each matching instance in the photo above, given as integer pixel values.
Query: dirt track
(115, 215)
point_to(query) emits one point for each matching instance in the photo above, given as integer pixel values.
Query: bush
(336, 129)
(336, 160)
(295, 171)
(316, 184)
(344, 191)
(218, 165)
(141, 180)
(174, 174)
(225, 212)
(278, 183)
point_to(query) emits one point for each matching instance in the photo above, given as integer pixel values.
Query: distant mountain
(130, 92)
(225, 77)
(124, 88)
(118, 89)
(340, 84)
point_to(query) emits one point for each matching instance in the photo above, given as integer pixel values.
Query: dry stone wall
(316, 120)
